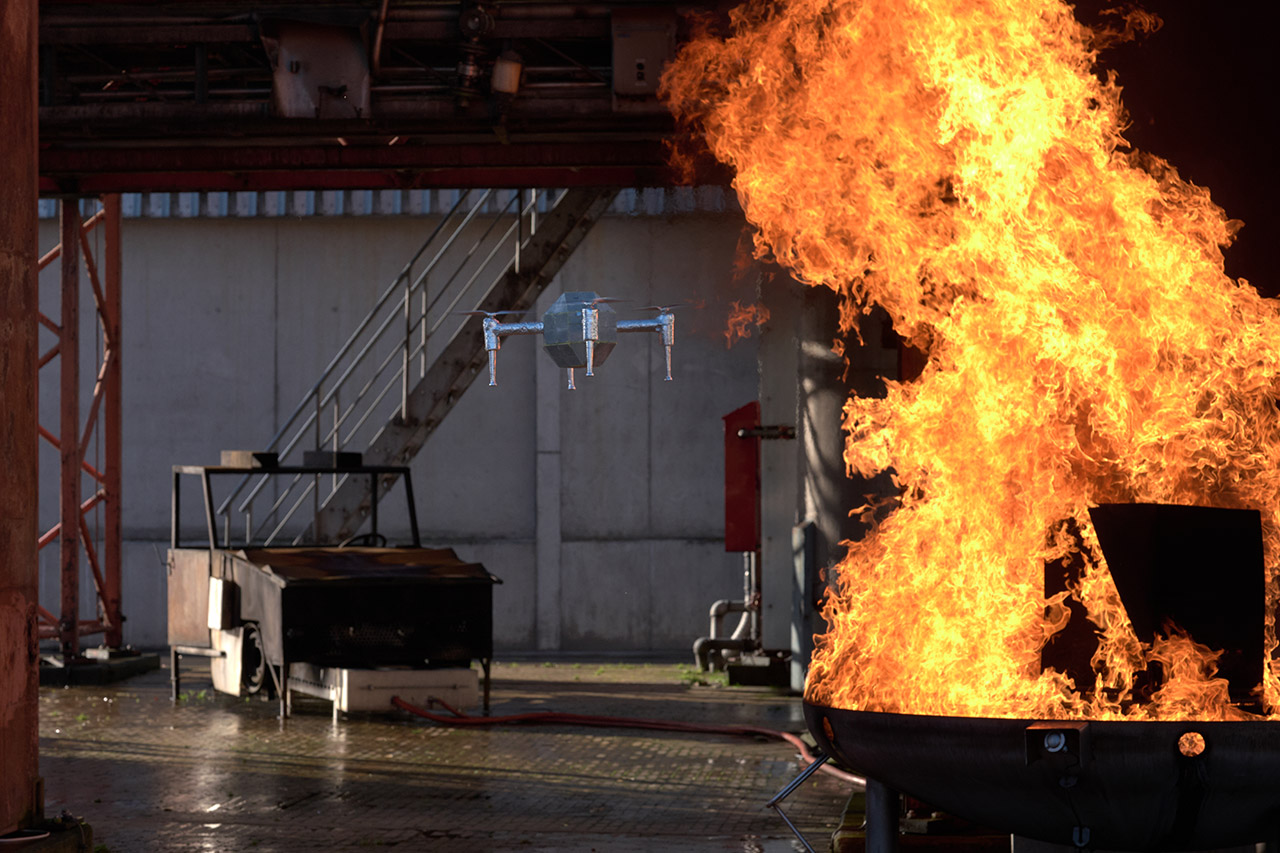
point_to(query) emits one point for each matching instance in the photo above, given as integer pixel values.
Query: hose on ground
(561, 718)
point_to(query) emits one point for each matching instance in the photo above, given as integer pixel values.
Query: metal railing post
(515, 264)
(404, 360)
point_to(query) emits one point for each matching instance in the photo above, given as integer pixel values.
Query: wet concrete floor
(216, 773)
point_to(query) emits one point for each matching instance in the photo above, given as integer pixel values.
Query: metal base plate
(372, 689)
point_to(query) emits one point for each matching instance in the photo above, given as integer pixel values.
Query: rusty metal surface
(188, 594)
(18, 471)
(364, 564)
(1126, 783)
(219, 773)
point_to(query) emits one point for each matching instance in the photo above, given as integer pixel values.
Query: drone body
(579, 330)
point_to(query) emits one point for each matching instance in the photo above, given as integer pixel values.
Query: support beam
(112, 419)
(77, 436)
(69, 431)
(18, 355)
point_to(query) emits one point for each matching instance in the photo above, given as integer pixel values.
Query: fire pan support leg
(776, 802)
(882, 818)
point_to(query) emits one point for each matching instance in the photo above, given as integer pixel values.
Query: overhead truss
(173, 95)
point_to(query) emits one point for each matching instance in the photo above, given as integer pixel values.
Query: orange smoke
(961, 164)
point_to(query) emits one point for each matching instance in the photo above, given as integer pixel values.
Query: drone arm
(494, 332)
(664, 324)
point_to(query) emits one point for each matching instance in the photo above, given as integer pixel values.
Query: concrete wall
(601, 508)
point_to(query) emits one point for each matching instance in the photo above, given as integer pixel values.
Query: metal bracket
(771, 432)
(776, 802)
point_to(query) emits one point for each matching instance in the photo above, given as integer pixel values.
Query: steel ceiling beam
(175, 95)
(110, 170)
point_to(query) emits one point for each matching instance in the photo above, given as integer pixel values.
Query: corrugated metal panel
(675, 201)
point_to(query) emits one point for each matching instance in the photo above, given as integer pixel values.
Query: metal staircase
(409, 361)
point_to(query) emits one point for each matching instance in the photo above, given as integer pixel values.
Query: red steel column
(69, 431)
(111, 424)
(18, 472)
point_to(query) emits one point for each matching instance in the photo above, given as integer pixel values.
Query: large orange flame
(960, 163)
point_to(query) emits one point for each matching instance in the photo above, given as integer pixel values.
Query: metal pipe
(376, 59)
(882, 818)
(564, 84)
(704, 646)
(169, 95)
(719, 609)
(180, 75)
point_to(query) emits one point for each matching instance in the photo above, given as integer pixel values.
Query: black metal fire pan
(1113, 785)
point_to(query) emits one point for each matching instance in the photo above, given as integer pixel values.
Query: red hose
(560, 718)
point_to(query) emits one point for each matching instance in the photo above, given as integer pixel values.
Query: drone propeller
(602, 299)
(486, 313)
(662, 309)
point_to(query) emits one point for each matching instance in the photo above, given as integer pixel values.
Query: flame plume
(743, 317)
(962, 164)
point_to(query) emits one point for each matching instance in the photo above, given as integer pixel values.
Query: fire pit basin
(1107, 785)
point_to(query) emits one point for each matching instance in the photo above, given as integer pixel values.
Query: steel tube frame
(105, 414)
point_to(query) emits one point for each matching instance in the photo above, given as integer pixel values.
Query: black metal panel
(363, 625)
(1126, 783)
(1198, 567)
(367, 607)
